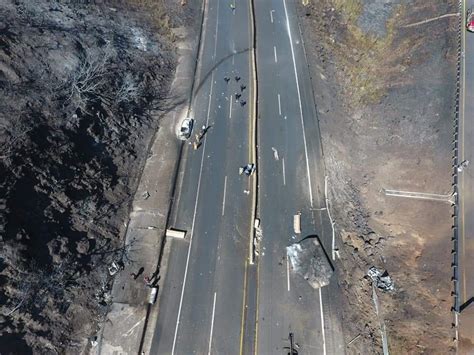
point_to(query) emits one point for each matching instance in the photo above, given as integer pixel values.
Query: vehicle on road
(469, 21)
(186, 128)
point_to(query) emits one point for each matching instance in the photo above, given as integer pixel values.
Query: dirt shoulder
(385, 96)
(84, 88)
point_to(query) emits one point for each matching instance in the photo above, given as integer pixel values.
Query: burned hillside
(83, 87)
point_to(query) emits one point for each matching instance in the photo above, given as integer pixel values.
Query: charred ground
(83, 87)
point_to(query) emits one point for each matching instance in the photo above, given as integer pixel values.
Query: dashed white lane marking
(279, 105)
(230, 106)
(223, 199)
(215, 34)
(271, 15)
(212, 323)
(284, 174)
(233, 51)
(288, 272)
(275, 54)
(299, 102)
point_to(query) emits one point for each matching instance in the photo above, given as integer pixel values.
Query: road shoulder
(124, 329)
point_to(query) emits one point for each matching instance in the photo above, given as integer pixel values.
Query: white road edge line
(197, 193)
(275, 53)
(299, 102)
(212, 323)
(322, 321)
(223, 199)
(279, 104)
(230, 106)
(271, 15)
(288, 272)
(194, 219)
(283, 168)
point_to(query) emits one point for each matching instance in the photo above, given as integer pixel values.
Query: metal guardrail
(455, 226)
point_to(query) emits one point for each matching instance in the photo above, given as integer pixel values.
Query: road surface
(291, 180)
(211, 297)
(466, 188)
(200, 307)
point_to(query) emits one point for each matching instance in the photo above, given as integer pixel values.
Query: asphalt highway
(202, 299)
(466, 188)
(291, 180)
(212, 300)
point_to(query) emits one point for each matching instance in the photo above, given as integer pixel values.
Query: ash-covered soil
(83, 86)
(385, 96)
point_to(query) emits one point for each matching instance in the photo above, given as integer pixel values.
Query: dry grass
(157, 11)
(365, 59)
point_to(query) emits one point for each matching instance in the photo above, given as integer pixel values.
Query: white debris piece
(275, 154)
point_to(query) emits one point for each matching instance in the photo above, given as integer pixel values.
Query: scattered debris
(463, 165)
(115, 267)
(381, 279)
(248, 169)
(275, 154)
(297, 223)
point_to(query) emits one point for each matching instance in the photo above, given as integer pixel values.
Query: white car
(186, 128)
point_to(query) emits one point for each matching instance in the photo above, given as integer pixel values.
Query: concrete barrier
(175, 233)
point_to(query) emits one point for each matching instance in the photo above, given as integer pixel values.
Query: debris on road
(463, 165)
(275, 154)
(175, 233)
(381, 279)
(115, 267)
(248, 169)
(297, 223)
(309, 260)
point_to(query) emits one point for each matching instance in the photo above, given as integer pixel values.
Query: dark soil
(385, 97)
(83, 86)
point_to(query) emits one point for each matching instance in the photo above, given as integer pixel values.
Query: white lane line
(212, 323)
(215, 34)
(194, 219)
(271, 15)
(284, 174)
(230, 107)
(279, 104)
(299, 102)
(288, 272)
(275, 54)
(322, 321)
(223, 199)
(233, 51)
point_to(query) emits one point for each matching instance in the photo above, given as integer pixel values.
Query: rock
(309, 260)
(82, 246)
